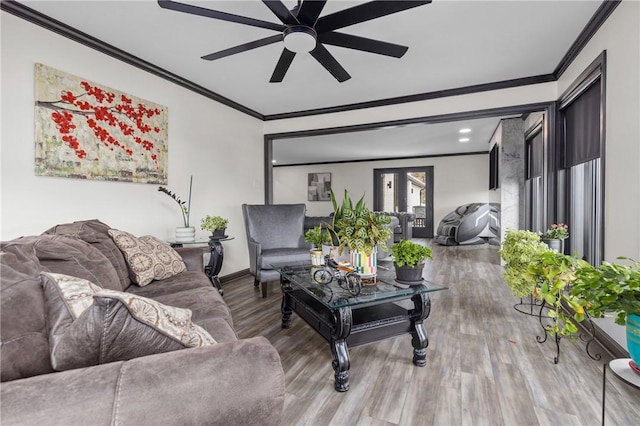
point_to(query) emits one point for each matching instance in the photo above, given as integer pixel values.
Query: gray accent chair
(275, 234)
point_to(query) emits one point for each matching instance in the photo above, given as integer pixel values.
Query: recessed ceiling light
(273, 161)
(465, 130)
(464, 139)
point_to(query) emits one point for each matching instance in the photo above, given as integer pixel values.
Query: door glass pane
(416, 197)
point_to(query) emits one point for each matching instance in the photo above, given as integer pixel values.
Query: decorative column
(511, 175)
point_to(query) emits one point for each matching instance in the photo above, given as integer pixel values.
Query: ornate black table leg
(339, 348)
(215, 263)
(285, 307)
(419, 339)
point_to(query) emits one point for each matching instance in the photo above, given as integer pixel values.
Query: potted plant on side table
(614, 288)
(217, 225)
(316, 236)
(186, 234)
(409, 260)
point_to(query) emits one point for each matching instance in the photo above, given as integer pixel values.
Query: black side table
(212, 269)
(622, 370)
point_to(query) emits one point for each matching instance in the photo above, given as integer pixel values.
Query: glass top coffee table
(344, 319)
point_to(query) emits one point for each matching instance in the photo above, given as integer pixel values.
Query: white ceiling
(452, 44)
(388, 142)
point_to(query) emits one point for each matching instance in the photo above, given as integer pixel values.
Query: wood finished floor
(484, 366)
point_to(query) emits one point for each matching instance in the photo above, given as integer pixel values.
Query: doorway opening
(407, 189)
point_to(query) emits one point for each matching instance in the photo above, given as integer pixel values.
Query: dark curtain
(582, 127)
(535, 159)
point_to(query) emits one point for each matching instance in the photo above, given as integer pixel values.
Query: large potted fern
(360, 230)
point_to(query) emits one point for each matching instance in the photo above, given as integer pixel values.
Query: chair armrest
(232, 383)
(255, 248)
(192, 257)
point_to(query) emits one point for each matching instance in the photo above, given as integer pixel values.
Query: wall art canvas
(319, 186)
(86, 130)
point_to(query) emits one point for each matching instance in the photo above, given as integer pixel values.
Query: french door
(408, 189)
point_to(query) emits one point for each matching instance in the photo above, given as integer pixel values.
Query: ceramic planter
(633, 338)
(185, 235)
(317, 258)
(219, 232)
(409, 273)
(554, 244)
(366, 265)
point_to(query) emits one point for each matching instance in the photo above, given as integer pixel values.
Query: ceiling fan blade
(282, 66)
(209, 13)
(361, 43)
(364, 12)
(327, 60)
(309, 12)
(281, 11)
(243, 47)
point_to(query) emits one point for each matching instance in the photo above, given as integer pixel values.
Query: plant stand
(588, 336)
(532, 304)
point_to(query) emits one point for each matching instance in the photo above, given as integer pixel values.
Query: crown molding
(40, 19)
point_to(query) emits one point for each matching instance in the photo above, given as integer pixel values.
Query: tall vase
(633, 338)
(185, 235)
(366, 265)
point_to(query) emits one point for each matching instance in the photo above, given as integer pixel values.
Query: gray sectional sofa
(231, 382)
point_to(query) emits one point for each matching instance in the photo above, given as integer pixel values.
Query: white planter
(317, 259)
(185, 235)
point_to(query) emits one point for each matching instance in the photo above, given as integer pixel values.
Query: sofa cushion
(96, 233)
(283, 255)
(23, 325)
(90, 325)
(148, 257)
(71, 256)
(187, 280)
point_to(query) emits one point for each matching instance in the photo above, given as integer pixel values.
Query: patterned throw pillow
(148, 258)
(89, 325)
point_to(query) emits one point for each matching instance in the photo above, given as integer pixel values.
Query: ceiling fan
(303, 30)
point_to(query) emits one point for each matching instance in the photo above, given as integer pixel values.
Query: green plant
(317, 236)
(356, 227)
(558, 231)
(610, 287)
(408, 253)
(185, 209)
(555, 273)
(519, 250)
(211, 223)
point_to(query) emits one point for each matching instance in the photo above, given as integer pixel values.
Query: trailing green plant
(408, 253)
(356, 227)
(519, 250)
(316, 236)
(555, 273)
(611, 288)
(211, 223)
(185, 208)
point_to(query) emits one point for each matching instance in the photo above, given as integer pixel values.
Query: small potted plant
(409, 260)
(613, 289)
(215, 224)
(554, 236)
(316, 236)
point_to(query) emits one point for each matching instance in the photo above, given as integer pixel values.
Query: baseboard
(240, 274)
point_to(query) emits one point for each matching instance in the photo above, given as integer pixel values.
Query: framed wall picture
(319, 185)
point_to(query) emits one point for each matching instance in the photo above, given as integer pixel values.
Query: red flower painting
(86, 130)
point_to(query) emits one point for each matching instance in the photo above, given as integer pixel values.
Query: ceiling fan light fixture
(300, 39)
